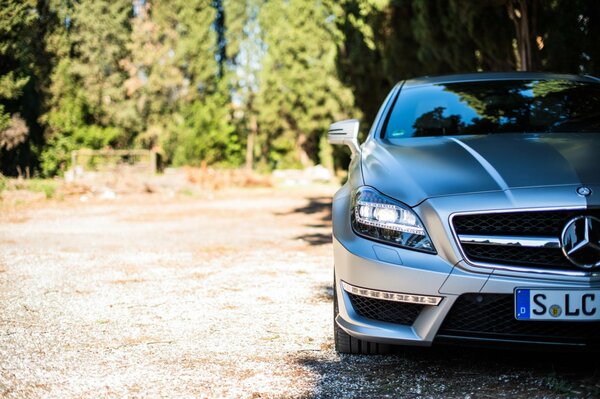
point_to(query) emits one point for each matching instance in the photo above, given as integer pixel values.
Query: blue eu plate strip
(522, 304)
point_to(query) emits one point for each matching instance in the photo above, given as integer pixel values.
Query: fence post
(74, 163)
(154, 162)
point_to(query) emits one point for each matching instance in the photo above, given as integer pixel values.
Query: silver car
(471, 214)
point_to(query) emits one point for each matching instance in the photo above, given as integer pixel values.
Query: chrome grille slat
(512, 241)
(518, 240)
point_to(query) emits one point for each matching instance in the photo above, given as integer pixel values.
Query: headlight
(381, 218)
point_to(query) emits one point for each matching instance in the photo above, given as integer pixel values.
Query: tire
(345, 343)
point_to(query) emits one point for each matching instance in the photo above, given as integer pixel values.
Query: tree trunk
(250, 143)
(302, 155)
(519, 14)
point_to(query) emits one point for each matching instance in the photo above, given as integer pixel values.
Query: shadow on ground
(450, 372)
(316, 238)
(316, 205)
(320, 207)
(444, 371)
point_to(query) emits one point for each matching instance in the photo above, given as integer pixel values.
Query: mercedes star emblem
(584, 191)
(581, 241)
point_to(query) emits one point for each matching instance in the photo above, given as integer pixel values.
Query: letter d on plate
(522, 304)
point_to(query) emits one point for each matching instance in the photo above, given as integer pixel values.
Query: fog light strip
(392, 296)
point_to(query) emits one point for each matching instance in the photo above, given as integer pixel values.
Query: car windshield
(490, 107)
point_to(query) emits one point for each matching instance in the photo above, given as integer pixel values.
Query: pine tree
(99, 35)
(24, 68)
(86, 93)
(16, 21)
(177, 84)
(245, 54)
(299, 91)
(210, 80)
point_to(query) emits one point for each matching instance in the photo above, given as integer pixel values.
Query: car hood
(420, 168)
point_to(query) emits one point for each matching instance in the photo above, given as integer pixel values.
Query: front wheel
(345, 343)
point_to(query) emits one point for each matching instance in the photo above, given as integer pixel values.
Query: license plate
(557, 304)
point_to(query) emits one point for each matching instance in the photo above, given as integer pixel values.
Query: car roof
(489, 76)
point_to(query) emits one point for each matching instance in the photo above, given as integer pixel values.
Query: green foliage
(12, 85)
(169, 64)
(20, 74)
(67, 118)
(204, 133)
(4, 118)
(68, 105)
(223, 81)
(56, 156)
(381, 43)
(46, 186)
(570, 31)
(16, 22)
(300, 93)
(87, 95)
(326, 153)
(3, 184)
(99, 38)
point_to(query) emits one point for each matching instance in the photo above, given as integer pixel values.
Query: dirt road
(227, 296)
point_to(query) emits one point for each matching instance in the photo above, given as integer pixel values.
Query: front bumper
(370, 273)
(428, 325)
(364, 263)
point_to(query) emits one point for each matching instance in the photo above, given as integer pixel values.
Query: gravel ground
(229, 296)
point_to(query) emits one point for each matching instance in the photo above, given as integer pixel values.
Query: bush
(204, 133)
(56, 156)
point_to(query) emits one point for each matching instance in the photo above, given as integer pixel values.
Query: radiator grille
(518, 224)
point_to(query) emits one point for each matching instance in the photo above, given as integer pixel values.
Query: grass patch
(3, 183)
(186, 192)
(47, 186)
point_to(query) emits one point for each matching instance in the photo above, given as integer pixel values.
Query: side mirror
(345, 132)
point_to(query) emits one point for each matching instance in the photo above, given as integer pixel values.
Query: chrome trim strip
(526, 269)
(391, 296)
(511, 241)
(519, 269)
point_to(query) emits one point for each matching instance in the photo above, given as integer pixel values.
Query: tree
(16, 21)
(27, 59)
(375, 49)
(203, 79)
(568, 37)
(99, 35)
(245, 54)
(203, 132)
(86, 93)
(19, 29)
(176, 81)
(383, 42)
(454, 36)
(300, 93)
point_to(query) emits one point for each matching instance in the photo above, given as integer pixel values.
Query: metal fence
(130, 161)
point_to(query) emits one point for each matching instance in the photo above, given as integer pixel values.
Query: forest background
(253, 83)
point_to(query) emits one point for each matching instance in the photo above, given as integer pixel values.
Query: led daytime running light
(392, 296)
